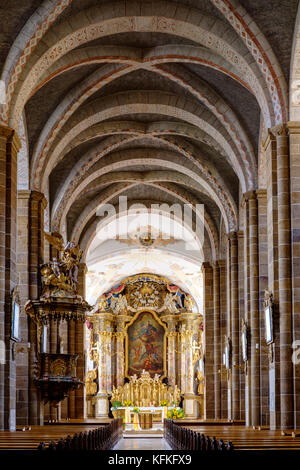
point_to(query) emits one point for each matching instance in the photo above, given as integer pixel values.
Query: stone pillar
(235, 397)
(252, 232)
(245, 207)
(223, 332)
(71, 350)
(227, 333)
(294, 130)
(209, 392)
(284, 272)
(9, 146)
(22, 359)
(217, 340)
(37, 204)
(263, 285)
(241, 302)
(272, 235)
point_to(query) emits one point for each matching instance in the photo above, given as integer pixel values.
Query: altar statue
(119, 305)
(177, 395)
(189, 302)
(169, 304)
(90, 385)
(200, 380)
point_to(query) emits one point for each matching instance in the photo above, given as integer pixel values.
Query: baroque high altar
(145, 347)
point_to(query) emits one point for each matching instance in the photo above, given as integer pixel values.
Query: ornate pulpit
(55, 369)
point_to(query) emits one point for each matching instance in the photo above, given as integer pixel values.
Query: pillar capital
(279, 131)
(270, 138)
(215, 265)
(6, 132)
(232, 235)
(249, 195)
(261, 193)
(37, 196)
(34, 195)
(206, 266)
(293, 127)
(11, 136)
(221, 263)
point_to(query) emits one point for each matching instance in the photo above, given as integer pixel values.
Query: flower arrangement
(116, 404)
(164, 403)
(127, 403)
(136, 409)
(176, 413)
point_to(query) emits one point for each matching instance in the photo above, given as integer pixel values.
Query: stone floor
(142, 444)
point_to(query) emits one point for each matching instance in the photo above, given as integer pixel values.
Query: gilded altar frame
(144, 310)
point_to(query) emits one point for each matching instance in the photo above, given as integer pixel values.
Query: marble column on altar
(190, 405)
(171, 348)
(189, 386)
(120, 357)
(104, 336)
(172, 336)
(182, 337)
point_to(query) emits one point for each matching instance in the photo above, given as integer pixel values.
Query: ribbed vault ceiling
(155, 100)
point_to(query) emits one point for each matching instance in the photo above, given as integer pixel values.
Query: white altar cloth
(147, 409)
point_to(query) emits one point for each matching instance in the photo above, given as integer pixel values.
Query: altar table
(128, 411)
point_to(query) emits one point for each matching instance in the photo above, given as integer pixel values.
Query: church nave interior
(149, 224)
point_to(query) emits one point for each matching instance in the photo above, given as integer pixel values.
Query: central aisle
(142, 444)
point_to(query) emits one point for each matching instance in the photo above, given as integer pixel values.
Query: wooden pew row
(183, 438)
(249, 439)
(28, 440)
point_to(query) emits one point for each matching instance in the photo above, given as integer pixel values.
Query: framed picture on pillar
(244, 341)
(268, 318)
(15, 315)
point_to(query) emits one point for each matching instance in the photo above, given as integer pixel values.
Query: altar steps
(150, 433)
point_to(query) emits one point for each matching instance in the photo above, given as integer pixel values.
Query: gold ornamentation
(146, 391)
(90, 385)
(58, 367)
(200, 380)
(189, 302)
(60, 274)
(144, 291)
(197, 351)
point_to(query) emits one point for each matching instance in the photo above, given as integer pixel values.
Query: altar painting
(145, 346)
